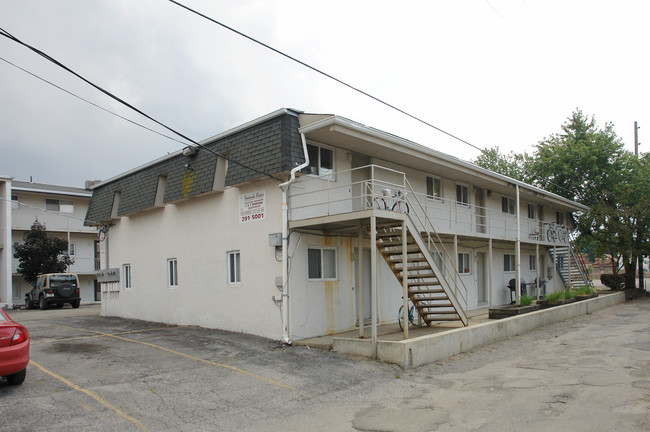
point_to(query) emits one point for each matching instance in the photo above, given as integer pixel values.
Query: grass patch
(585, 291)
(554, 297)
(526, 300)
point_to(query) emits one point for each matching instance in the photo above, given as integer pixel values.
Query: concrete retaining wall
(427, 349)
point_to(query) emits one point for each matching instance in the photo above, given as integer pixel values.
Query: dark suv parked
(54, 288)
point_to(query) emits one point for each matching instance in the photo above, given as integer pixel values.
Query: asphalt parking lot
(95, 373)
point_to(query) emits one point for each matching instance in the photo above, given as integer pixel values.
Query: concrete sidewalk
(430, 344)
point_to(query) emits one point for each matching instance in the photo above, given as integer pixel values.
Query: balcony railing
(378, 187)
(54, 221)
(81, 265)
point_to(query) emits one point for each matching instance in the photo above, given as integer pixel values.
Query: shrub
(613, 281)
(585, 290)
(526, 300)
(568, 294)
(554, 297)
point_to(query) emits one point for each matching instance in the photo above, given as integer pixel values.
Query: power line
(9, 36)
(277, 51)
(91, 103)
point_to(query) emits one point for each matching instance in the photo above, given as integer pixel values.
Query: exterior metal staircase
(570, 266)
(428, 290)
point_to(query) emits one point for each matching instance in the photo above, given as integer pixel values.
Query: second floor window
(63, 206)
(15, 203)
(462, 195)
(508, 205)
(559, 218)
(321, 160)
(434, 188)
(531, 211)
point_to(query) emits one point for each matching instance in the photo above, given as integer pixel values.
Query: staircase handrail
(428, 227)
(577, 256)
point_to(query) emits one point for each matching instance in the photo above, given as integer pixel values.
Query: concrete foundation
(430, 348)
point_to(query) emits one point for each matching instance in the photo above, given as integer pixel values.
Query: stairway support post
(490, 270)
(555, 270)
(518, 254)
(373, 281)
(360, 284)
(405, 281)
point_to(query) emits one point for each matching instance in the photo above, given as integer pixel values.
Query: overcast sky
(495, 73)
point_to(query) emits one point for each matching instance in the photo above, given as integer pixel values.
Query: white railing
(53, 221)
(379, 187)
(80, 266)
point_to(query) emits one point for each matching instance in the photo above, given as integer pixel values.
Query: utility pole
(636, 153)
(636, 139)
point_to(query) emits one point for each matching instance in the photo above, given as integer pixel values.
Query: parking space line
(191, 357)
(94, 336)
(93, 395)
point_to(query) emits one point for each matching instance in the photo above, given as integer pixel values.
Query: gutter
(286, 337)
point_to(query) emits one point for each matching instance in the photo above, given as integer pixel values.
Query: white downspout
(286, 338)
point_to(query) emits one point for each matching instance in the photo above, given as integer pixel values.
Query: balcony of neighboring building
(81, 266)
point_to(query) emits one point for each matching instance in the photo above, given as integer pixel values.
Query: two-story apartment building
(296, 225)
(62, 209)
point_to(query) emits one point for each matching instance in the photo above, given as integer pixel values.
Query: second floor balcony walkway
(373, 187)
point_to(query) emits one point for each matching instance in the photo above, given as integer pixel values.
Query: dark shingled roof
(272, 146)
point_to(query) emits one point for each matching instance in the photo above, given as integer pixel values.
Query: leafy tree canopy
(41, 253)
(589, 165)
(514, 165)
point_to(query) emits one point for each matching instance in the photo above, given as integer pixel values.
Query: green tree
(514, 165)
(589, 165)
(41, 253)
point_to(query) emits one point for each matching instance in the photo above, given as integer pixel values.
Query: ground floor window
(463, 263)
(508, 263)
(172, 272)
(532, 262)
(321, 263)
(234, 269)
(126, 275)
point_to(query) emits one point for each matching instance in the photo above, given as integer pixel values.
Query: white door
(366, 285)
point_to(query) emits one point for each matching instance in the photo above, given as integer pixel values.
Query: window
(126, 275)
(531, 211)
(462, 195)
(172, 272)
(71, 250)
(434, 188)
(559, 218)
(321, 160)
(437, 258)
(532, 262)
(15, 203)
(508, 263)
(234, 269)
(463, 263)
(508, 205)
(63, 206)
(321, 263)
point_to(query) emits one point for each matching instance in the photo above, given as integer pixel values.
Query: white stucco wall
(198, 233)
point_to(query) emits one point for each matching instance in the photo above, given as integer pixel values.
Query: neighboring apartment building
(62, 210)
(203, 241)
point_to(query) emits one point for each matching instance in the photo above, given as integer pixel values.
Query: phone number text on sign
(252, 206)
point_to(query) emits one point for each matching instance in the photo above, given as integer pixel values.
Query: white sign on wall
(252, 206)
